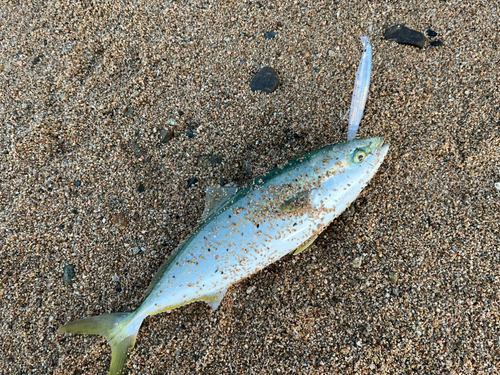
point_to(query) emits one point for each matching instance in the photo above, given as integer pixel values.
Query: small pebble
(166, 135)
(266, 80)
(140, 188)
(437, 43)
(192, 181)
(171, 122)
(356, 263)
(270, 34)
(78, 183)
(431, 33)
(69, 274)
(136, 149)
(403, 35)
(393, 276)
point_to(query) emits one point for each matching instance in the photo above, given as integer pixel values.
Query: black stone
(431, 33)
(265, 80)
(403, 35)
(78, 183)
(74, 211)
(140, 188)
(190, 134)
(61, 226)
(37, 59)
(118, 289)
(192, 181)
(41, 191)
(437, 43)
(222, 182)
(69, 274)
(180, 113)
(270, 34)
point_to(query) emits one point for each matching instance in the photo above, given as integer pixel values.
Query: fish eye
(358, 156)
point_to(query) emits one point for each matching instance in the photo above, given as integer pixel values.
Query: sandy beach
(115, 117)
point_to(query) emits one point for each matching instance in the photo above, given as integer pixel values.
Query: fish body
(244, 230)
(361, 88)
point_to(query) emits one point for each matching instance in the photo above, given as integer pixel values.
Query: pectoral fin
(305, 245)
(214, 299)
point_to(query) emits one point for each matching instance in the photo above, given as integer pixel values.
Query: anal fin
(305, 245)
(214, 299)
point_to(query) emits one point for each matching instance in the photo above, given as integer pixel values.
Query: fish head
(345, 170)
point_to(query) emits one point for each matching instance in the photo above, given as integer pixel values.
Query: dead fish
(361, 88)
(242, 231)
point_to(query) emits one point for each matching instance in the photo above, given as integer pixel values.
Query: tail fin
(119, 329)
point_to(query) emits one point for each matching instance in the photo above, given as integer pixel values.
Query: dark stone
(45, 42)
(270, 34)
(190, 134)
(140, 188)
(61, 226)
(118, 289)
(129, 112)
(222, 182)
(37, 59)
(136, 149)
(74, 211)
(41, 191)
(78, 183)
(166, 135)
(69, 274)
(180, 113)
(431, 33)
(403, 35)
(192, 181)
(265, 80)
(212, 160)
(437, 43)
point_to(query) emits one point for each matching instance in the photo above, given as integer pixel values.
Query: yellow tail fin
(119, 329)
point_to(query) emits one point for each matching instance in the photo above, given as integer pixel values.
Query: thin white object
(361, 87)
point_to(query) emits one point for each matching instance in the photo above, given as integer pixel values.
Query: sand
(406, 281)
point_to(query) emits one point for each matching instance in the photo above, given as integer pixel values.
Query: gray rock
(270, 35)
(69, 274)
(136, 149)
(266, 80)
(403, 35)
(393, 276)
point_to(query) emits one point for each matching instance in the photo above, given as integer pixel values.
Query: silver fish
(245, 229)
(361, 88)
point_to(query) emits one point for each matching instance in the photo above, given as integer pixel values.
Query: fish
(361, 88)
(243, 230)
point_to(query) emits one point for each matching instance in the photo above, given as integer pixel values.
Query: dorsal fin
(215, 198)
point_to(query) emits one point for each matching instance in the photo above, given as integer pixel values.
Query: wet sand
(86, 88)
